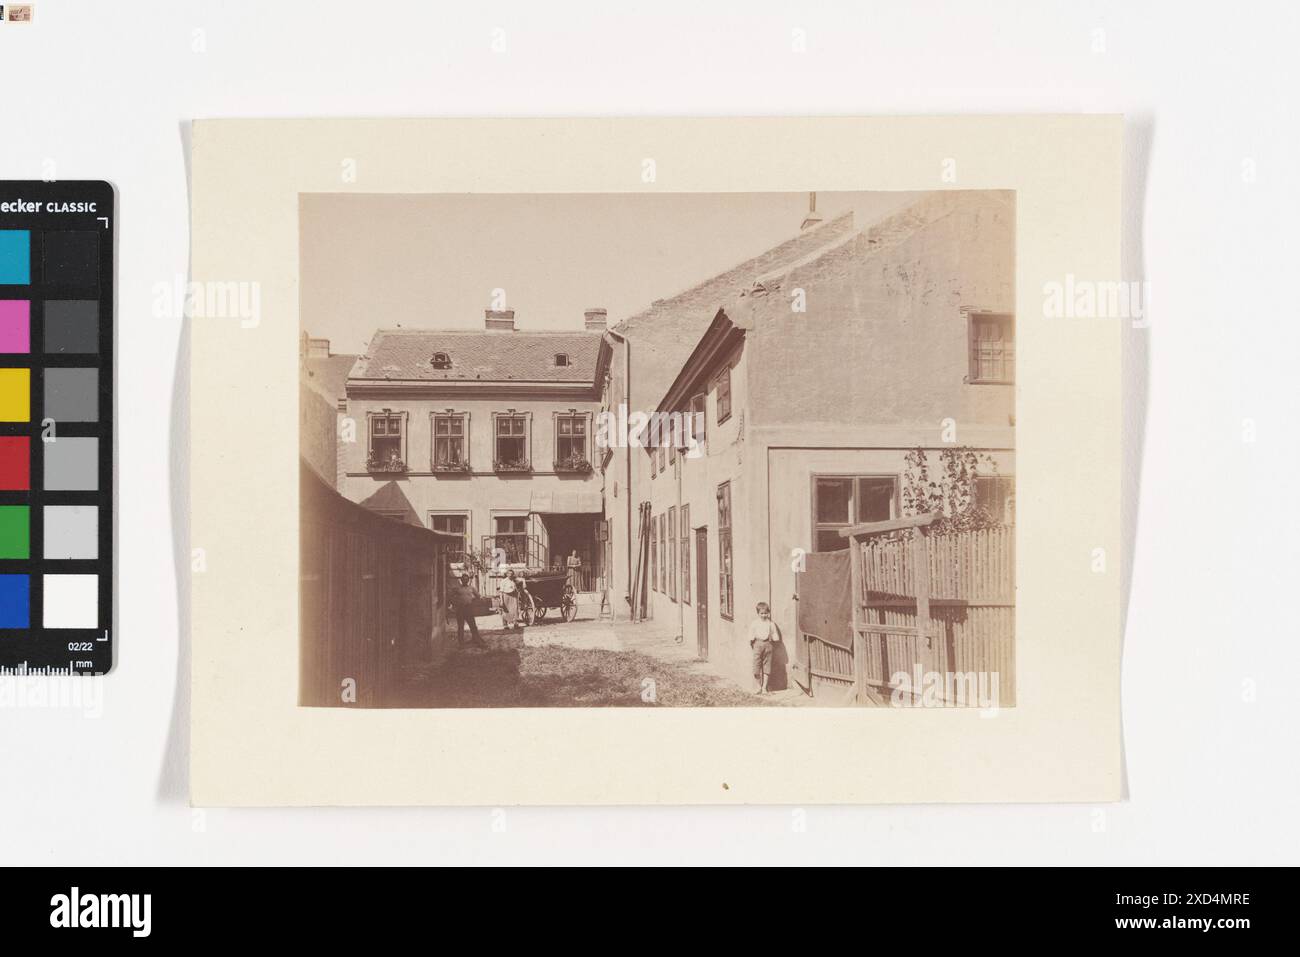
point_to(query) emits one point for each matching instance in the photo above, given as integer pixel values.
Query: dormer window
(562, 359)
(440, 360)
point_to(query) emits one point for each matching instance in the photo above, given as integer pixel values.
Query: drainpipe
(673, 535)
(627, 475)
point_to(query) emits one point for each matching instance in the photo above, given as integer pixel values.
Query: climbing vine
(949, 489)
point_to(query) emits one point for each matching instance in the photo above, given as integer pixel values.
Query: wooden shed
(372, 596)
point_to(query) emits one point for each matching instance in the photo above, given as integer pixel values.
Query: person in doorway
(462, 598)
(762, 642)
(509, 599)
(574, 563)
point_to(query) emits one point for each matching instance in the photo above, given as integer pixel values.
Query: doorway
(702, 592)
(571, 544)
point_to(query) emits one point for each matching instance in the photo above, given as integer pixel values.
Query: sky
(431, 261)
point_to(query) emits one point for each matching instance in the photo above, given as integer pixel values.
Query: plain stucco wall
(884, 339)
(317, 433)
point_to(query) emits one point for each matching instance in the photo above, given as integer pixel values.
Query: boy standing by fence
(762, 641)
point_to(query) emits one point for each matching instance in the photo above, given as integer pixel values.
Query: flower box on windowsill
(452, 468)
(576, 466)
(518, 466)
(385, 465)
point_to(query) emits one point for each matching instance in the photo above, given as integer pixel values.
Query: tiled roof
(328, 375)
(488, 356)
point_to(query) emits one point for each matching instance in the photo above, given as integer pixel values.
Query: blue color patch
(15, 257)
(15, 601)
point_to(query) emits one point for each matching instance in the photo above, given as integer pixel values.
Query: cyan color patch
(15, 257)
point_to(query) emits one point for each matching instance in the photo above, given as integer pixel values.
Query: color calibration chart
(56, 428)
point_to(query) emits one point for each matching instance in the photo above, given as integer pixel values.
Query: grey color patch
(72, 395)
(71, 531)
(72, 464)
(71, 326)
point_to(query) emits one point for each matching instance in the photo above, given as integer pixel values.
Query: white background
(106, 90)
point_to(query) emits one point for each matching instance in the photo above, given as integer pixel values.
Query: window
(698, 417)
(561, 359)
(686, 554)
(724, 395)
(992, 348)
(387, 452)
(449, 434)
(454, 524)
(654, 553)
(997, 495)
(725, 596)
(843, 500)
(440, 360)
(670, 529)
(663, 554)
(511, 536)
(511, 448)
(571, 442)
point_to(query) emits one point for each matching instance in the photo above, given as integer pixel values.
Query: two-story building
(484, 434)
(807, 388)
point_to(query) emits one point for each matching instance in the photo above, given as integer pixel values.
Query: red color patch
(15, 463)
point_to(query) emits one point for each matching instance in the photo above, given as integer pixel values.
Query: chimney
(812, 219)
(499, 319)
(595, 319)
(318, 348)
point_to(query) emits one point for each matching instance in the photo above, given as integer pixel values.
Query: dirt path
(568, 665)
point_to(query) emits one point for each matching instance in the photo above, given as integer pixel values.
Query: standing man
(574, 563)
(462, 599)
(509, 592)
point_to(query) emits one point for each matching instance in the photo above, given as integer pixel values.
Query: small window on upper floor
(562, 359)
(724, 395)
(992, 348)
(440, 360)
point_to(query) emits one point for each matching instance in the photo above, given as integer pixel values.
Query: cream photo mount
(253, 745)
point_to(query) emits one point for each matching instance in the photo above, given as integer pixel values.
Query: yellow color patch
(15, 395)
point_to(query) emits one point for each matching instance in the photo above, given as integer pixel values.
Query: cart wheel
(541, 612)
(528, 613)
(569, 610)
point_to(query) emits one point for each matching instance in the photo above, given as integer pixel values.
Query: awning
(579, 502)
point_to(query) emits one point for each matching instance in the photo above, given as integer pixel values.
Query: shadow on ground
(512, 673)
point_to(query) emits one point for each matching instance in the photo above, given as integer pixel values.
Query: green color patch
(15, 533)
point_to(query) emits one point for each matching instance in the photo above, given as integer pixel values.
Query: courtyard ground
(583, 664)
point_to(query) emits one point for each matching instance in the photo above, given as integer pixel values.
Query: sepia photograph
(669, 450)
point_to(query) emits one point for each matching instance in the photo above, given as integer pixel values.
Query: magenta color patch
(15, 325)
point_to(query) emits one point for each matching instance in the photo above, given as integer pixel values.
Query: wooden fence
(925, 604)
(372, 594)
